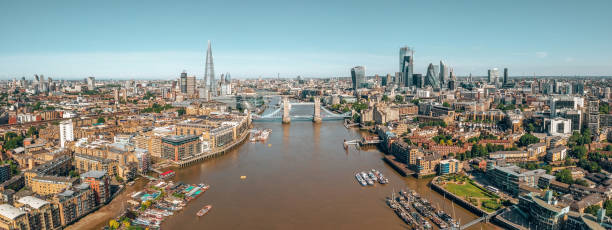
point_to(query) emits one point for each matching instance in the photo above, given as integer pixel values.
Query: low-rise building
(556, 154)
(450, 166)
(13, 218)
(510, 177)
(177, 148)
(74, 203)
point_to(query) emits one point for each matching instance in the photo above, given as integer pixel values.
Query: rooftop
(33, 202)
(94, 173)
(10, 212)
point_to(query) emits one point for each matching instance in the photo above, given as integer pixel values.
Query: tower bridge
(286, 112)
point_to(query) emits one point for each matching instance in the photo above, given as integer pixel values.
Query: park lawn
(466, 189)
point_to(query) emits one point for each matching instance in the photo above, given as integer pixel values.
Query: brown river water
(301, 178)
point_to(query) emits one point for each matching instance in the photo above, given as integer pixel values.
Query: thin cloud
(541, 54)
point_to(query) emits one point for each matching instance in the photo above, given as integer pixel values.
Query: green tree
(399, 98)
(527, 139)
(32, 131)
(385, 98)
(592, 209)
(356, 117)
(101, 120)
(579, 152)
(359, 106)
(446, 104)
(608, 207)
(604, 108)
(181, 111)
(564, 176)
(73, 173)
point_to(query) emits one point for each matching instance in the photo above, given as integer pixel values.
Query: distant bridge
(284, 113)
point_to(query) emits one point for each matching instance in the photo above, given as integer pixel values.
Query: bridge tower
(286, 110)
(316, 117)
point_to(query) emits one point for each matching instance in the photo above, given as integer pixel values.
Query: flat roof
(94, 173)
(10, 211)
(32, 201)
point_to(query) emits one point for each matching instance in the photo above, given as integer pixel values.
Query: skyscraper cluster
(209, 87)
(441, 76)
(436, 76)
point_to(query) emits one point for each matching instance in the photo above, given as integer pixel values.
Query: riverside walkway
(214, 153)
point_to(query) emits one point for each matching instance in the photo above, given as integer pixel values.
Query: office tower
(417, 80)
(209, 71)
(593, 116)
(505, 76)
(578, 88)
(358, 76)
(493, 75)
(228, 84)
(406, 57)
(399, 79)
(91, 83)
(183, 82)
(222, 84)
(125, 95)
(116, 94)
(66, 132)
(444, 74)
(452, 85)
(191, 85)
(432, 76)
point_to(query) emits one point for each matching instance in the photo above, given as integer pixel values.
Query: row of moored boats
(415, 211)
(371, 177)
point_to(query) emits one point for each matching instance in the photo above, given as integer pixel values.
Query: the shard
(209, 71)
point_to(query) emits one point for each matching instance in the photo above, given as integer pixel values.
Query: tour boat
(204, 210)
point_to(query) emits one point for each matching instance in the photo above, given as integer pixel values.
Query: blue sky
(159, 39)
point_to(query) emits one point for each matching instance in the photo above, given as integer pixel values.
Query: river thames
(301, 178)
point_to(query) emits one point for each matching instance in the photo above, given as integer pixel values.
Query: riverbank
(100, 217)
(467, 194)
(243, 137)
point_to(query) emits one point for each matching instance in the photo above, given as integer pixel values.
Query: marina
(370, 178)
(260, 134)
(160, 199)
(417, 212)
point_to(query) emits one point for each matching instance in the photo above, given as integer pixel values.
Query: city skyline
(273, 38)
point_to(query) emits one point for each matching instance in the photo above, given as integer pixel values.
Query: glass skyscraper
(209, 71)
(406, 58)
(432, 76)
(444, 74)
(358, 76)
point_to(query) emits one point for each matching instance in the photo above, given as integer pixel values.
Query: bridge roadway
(485, 218)
(276, 114)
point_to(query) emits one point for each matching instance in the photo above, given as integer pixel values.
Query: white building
(66, 132)
(558, 126)
(421, 93)
(69, 114)
(91, 83)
